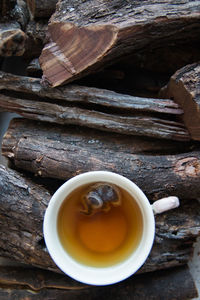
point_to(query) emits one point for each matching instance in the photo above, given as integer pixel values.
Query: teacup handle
(165, 204)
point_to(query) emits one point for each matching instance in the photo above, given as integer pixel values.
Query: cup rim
(98, 275)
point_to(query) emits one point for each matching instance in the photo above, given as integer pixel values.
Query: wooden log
(12, 39)
(87, 95)
(38, 284)
(22, 206)
(50, 152)
(94, 33)
(93, 108)
(41, 9)
(97, 140)
(136, 124)
(184, 89)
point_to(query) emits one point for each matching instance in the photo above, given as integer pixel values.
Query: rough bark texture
(88, 95)
(41, 9)
(12, 39)
(36, 37)
(184, 88)
(22, 206)
(94, 108)
(54, 154)
(102, 32)
(37, 284)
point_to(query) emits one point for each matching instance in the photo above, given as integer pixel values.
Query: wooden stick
(94, 33)
(12, 39)
(124, 114)
(22, 207)
(184, 88)
(62, 156)
(41, 9)
(38, 284)
(88, 95)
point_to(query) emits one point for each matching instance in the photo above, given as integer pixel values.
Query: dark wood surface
(93, 108)
(184, 88)
(136, 47)
(39, 149)
(27, 283)
(41, 9)
(95, 31)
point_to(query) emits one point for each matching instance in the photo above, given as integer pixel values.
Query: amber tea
(99, 224)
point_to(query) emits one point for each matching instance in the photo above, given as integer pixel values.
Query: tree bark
(41, 9)
(6, 7)
(60, 153)
(12, 39)
(184, 89)
(93, 108)
(38, 284)
(102, 32)
(36, 38)
(88, 95)
(22, 206)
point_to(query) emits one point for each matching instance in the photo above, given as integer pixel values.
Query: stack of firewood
(109, 85)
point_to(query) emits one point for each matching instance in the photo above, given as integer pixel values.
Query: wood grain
(95, 33)
(184, 88)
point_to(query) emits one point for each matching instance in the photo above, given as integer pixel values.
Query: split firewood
(84, 37)
(50, 152)
(184, 89)
(12, 39)
(102, 109)
(22, 207)
(31, 284)
(41, 9)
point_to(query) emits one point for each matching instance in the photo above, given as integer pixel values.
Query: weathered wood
(94, 33)
(97, 140)
(184, 88)
(88, 95)
(33, 68)
(31, 284)
(41, 9)
(22, 206)
(93, 108)
(14, 11)
(36, 37)
(50, 152)
(136, 124)
(12, 39)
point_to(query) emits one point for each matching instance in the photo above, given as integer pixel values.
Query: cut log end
(184, 88)
(73, 49)
(12, 42)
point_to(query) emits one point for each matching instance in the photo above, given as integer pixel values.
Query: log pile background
(118, 76)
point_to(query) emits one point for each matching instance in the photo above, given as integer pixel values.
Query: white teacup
(122, 270)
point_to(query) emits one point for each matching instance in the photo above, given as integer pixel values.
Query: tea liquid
(101, 239)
